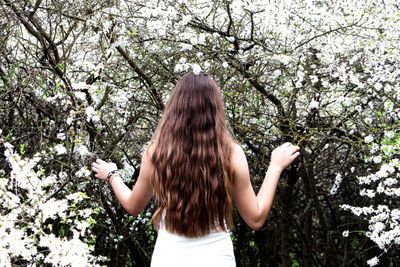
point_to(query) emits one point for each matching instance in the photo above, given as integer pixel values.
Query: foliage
(87, 79)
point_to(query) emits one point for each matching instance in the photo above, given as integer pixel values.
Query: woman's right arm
(135, 200)
(253, 208)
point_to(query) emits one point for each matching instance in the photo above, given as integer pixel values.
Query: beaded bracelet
(110, 175)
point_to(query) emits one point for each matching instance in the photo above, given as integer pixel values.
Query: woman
(195, 171)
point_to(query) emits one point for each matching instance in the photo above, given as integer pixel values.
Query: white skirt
(214, 249)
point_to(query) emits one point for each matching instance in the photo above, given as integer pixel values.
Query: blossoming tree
(80, 80)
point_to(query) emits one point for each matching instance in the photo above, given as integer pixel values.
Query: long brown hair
(191, 178)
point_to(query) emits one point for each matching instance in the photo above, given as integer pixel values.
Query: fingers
(284, 155)
(95, 166)
(295, 155)
(288, 144)
(101, 168)
(289, 147)
(100, 161)
(97, 163)
(294, 149)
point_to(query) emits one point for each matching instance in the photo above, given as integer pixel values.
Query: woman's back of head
(191, 176)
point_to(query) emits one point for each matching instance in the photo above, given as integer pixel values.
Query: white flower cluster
(64, 252)
(30, 211)
(384, 220)
(338, 181)
(91, 114)
(82, 150)
(60, 149)
(196, 69)
(384, 228)
(373, 262)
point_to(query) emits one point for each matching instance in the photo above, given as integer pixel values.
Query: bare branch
(148, 81)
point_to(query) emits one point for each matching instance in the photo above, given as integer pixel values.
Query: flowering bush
(31, 213)
(382, 187)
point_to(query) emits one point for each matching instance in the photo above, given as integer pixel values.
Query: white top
(214, 249)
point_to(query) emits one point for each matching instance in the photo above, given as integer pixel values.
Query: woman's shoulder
(147, 153)
(237, 150)
(238, 157)
(148, 148)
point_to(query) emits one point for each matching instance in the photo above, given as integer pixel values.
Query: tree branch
(147, 80)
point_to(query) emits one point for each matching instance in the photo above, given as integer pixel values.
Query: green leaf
(22, 149)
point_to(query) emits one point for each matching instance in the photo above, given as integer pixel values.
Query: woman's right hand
(284, 155)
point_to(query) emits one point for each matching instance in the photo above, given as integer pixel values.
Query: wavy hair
(192, 178)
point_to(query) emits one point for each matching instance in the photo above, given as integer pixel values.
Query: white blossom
(378, 86)
(61, 136)
(337, 182)
(390, 134)
(313, 104)
(54, 208)
(367, 192)
(91, 114)
(60, 149)
(230, 39)
(368, 139)
(377, 159)
(196, 69)
(373, 262)
(82, 150)
(83, 172)
(368, 120)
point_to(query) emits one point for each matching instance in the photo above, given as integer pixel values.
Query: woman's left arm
(135, 200)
